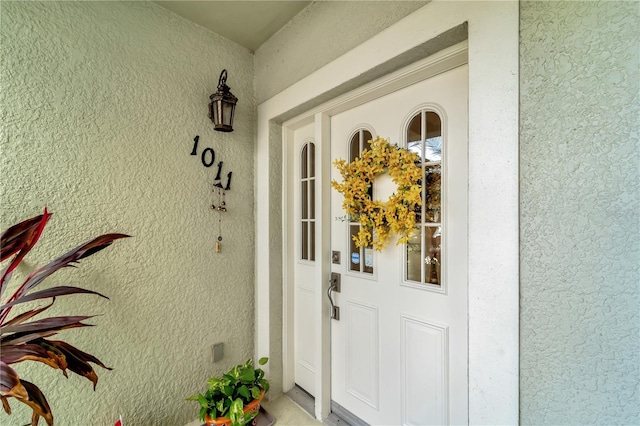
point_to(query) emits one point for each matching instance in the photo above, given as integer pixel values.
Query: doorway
(399, 348)
(493, 196)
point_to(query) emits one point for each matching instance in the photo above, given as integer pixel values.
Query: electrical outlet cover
(218, 352)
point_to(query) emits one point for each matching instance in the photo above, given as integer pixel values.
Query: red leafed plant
(21, 339)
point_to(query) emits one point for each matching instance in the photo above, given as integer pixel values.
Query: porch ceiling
(248, 23)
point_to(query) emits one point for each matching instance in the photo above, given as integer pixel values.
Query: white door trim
(493, 196)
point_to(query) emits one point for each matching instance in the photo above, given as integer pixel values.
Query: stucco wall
(100, 105)
(323, 31)
(580, 243)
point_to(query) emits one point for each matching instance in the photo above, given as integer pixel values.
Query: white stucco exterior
(319, 34)
(580, 213)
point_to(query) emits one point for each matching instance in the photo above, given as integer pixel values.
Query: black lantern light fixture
(222, 106)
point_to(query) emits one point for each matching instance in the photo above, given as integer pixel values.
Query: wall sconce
(222, 106)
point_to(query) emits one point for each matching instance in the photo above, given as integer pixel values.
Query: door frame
(491, 30)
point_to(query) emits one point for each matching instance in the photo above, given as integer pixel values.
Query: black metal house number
(208, 158)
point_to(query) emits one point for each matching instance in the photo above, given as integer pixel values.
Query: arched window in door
(424, 250)
(360, 259)
(308, 202)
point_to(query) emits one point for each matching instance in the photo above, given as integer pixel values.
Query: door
(399, 350)
(301, 181)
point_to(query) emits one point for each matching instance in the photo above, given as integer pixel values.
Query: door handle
(334, 286)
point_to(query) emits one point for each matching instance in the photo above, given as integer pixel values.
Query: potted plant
(233, 399)
(22, 338)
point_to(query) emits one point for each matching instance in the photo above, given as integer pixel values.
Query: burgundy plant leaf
(14, 238)
(46, 324)
(5, 405)
(19, 338)
(78, 361)
(20, 238)
(33, 352)
(80, 252)
(77, 352)
(38, 404)
(18, 319)
(4, 280)
(54, 352)
(10, 383)
(24, 339)
(51, 292)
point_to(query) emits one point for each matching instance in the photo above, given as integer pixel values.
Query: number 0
(204, 157)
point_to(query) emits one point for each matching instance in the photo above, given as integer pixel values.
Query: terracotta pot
(251, 407)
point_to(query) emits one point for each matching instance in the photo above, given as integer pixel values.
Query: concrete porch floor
(288, 413)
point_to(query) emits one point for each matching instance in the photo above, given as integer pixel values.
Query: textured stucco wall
(323, 31)
(580, 243)
(100, 105)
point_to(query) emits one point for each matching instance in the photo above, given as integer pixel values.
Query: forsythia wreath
(378, 219)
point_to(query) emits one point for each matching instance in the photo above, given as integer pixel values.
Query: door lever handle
(335, 286)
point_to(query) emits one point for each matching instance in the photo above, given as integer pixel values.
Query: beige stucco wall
(323, 31)
(100, 105)
(580, 207)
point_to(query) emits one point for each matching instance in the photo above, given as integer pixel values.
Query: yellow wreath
(379, 219)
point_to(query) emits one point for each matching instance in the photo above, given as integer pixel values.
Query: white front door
(399, 351)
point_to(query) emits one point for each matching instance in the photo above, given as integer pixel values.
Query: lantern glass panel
(227, 110)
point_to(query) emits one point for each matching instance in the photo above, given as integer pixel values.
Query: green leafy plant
(24, 340)
(227, 395)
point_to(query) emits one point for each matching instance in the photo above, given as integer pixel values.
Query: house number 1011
(208, 158)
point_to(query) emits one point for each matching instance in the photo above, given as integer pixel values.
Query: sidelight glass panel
(312, 240)
(305, 240)
(304, 201)
(312, 160)
(312, 199)
(307, 202)
(304, 159)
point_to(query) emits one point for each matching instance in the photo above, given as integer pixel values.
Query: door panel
(424, 372)
(361, 364)
(301, 181)
(399, 350)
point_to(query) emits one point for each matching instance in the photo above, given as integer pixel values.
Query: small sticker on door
(368, 257)
(355, 258)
